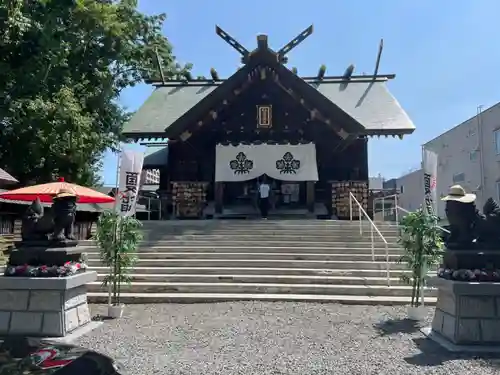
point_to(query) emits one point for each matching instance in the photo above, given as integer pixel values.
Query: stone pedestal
(44, 307)
(45, 253)
(467, 313)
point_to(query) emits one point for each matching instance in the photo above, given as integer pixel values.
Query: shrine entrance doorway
(291, 171)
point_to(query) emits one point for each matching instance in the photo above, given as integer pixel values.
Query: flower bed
(69, 269)
(470, 275)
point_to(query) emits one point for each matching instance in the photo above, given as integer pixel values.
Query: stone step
(194, 270)
(263, 263)
(255, 245)
(148, 251)
(268, 232)
(259, 222)
(276, 279)
(257, 239)
(264, 223)
(201, 241)
(144, 298)
(258, 254)
(254, 288)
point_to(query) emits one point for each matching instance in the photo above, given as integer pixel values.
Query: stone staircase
(302, 260)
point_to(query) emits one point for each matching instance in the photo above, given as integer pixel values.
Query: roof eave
(146, 135)
(388, 132)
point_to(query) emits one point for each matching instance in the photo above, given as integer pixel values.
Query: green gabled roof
(369, 102)
(358, 105)
(163, 107)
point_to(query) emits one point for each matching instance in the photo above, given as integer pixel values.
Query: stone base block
(44, 307)
(45, 255)
(467, 313)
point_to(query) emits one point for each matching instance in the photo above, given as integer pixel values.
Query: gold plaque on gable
(264, 116)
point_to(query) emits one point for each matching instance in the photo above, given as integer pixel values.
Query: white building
(410, 188)
(468, 155)
(150, 176)
(376, 183)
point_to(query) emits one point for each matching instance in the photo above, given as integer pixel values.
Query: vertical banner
(130, 180)
(429, 168)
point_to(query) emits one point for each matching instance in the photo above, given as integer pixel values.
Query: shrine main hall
(214, 139)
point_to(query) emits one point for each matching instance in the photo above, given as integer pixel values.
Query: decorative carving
(288, 165)
(241, 165)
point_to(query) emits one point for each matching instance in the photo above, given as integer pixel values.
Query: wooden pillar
(310, 195)
(219, 197)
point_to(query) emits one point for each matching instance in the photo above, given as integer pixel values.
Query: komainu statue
(469, 228)
(35, 225)
(487, 228)
(462, 215)
(64, 211)
(57, 225)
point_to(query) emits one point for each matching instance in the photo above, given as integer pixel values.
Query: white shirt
(264, 190)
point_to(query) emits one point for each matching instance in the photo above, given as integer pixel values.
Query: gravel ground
(261, 338)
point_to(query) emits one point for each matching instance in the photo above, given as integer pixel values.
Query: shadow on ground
(394, 326)
(101, 318)
(432, 354)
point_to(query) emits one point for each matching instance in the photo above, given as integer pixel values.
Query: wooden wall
(194, 159)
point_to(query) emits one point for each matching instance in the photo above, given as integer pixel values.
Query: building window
(458, 177)
(497, 141)
(401, 189)
(473, 155)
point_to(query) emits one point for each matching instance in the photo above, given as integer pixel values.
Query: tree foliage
(118, 239)
(63, 65)
(420, 237)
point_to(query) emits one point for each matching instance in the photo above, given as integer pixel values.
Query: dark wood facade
(300, 114)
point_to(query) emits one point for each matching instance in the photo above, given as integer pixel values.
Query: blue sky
(445, 54)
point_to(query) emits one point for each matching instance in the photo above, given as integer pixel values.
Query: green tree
(63, 65)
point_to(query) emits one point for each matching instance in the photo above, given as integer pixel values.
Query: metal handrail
(409, 212)
(396, 208)
(372, 227)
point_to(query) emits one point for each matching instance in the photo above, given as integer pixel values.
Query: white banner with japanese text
(130, 179)
(429, 167)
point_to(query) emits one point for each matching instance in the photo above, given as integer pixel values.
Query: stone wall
(468, 313)
(47, 307)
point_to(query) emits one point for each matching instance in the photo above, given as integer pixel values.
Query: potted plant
(118, 239)
(422, 243)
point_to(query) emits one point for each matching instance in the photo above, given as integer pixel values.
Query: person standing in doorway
(264, 190)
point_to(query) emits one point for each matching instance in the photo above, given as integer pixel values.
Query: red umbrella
(45, 192)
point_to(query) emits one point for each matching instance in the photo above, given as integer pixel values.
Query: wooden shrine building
(309, 135)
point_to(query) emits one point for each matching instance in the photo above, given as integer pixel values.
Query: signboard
(130, 180)
(429, 167)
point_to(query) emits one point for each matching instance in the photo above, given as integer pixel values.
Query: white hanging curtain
(282, 162)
